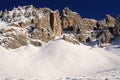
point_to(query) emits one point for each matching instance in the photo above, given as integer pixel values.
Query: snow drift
(57, 58)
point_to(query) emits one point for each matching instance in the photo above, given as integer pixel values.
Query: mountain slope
(56, 59)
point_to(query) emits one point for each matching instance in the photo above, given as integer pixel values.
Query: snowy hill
(56, 59)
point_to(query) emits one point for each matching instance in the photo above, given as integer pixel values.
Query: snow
(115, 46)
(93, 20)
(56, 59)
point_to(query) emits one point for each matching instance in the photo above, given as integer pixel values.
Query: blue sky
(87, 8)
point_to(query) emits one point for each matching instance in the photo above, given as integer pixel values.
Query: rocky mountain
(29, 25)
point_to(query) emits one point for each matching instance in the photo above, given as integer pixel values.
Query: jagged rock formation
(56, 23)
(70, 19)
(110, 21)
(27, 24)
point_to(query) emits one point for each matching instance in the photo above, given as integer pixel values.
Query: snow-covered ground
(60, 60)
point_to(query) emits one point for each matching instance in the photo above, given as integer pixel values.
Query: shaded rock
(71, 39)
(101, 24)
(43, 34)
(22, 25)
(110, 21)
(25, 24)
(55, 23)
(89, 24)
(89, 39)
(36, 43)
(13, 24)
(43, 22)
(106, 37)
(116, 30)
(82, 39)
(14, 41)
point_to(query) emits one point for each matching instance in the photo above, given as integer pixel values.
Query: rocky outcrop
(14, 41)
(70, 19)
(82, 39)
(55, 23)
(42, 34)
(89, 24)
(28, 24)
(116, 30)
(101, 24)
(106, 37)
(110, 21)
(71, 39)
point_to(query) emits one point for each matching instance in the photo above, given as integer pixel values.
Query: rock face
(106, 37)
(42, 34)
(70, 19)
(36, 26)
(89, 24)
(101, 24)
(56, 23)
(73, 21)
(110, 21)
(14, 41)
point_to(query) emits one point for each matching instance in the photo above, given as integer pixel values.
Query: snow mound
(115, 46)
(56, 59)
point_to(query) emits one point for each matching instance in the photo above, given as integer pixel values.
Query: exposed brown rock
(110, 21)
(42, 34)
(89, 24)
(70, 19)
(71, 39)
(43, 22)
(36, 43)
(55, 23)
(101, 24)
(106, 37)
(15, 41)
(22, 25)
(13, 24)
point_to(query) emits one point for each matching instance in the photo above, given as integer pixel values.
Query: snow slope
(56, 59)
(115, 46)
